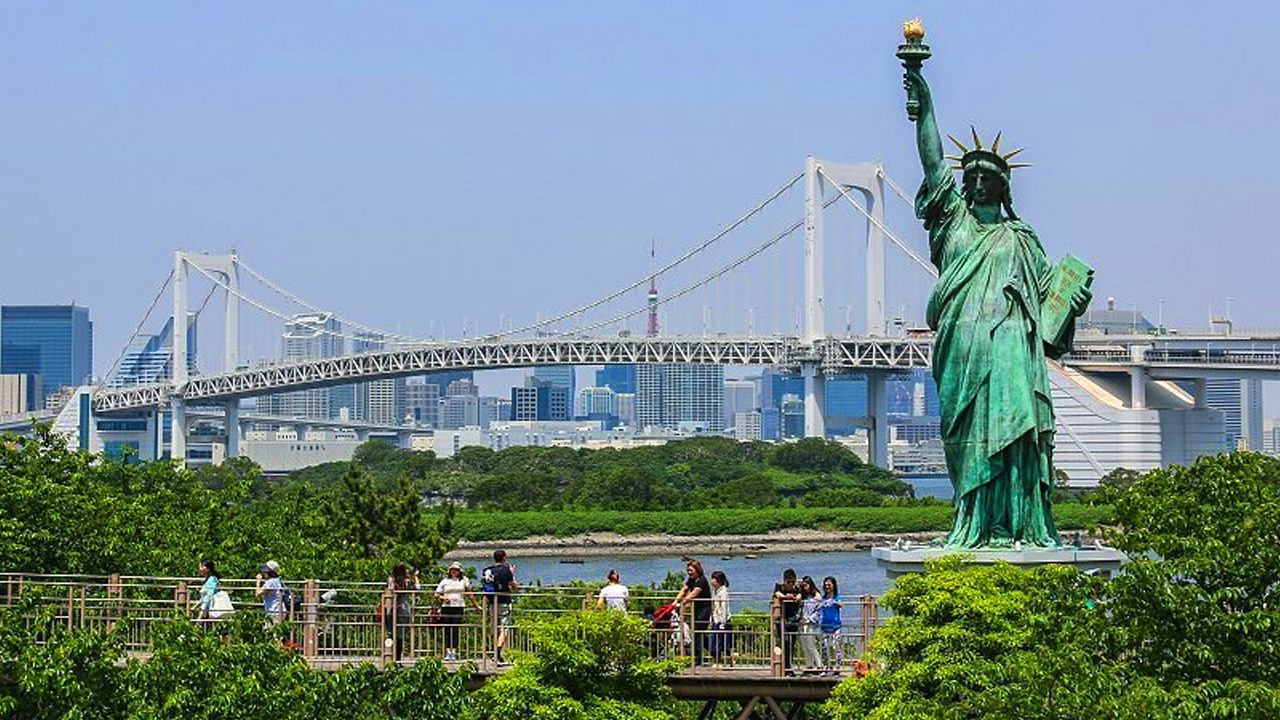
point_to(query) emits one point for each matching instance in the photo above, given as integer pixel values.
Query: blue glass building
(618, 378)
(52, 341)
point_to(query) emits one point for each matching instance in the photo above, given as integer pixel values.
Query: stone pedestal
(900, 561)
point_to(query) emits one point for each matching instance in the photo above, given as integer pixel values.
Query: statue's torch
(913, 53)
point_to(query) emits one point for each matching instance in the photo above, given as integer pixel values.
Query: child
(829, 624)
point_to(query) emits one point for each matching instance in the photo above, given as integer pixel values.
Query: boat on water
(571, 561)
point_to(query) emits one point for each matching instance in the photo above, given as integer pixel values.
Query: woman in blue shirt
(209, 588)
(829, 624)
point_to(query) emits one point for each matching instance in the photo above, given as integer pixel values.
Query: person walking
(810, 615)
(721, 622)
(614, 595)
(398, 618)
(499, 583)
(269, 588)
(696, 594)
(452, 591)
(208, 589)
(787, 595)
(829, 623)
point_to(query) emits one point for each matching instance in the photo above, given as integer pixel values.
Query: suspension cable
(892, 236)
(147, 316)
(669, 266)
(896, 189)
(271, 311)
(313, 308)
(722, 271)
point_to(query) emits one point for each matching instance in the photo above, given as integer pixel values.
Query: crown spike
(958, 144)
(1015, 152)
(1015, 166)
(957, 158)
(977, 143)
(995, 144)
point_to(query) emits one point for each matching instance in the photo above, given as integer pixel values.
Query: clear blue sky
(416, 163)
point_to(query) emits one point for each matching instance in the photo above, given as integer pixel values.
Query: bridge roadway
(1165, 355)
(834, 354)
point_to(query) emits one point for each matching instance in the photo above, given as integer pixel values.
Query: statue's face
(986, 186)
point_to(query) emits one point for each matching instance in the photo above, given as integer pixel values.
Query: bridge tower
(867, 178)
(227, 267)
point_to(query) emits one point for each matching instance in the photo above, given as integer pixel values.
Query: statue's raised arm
(913, 53)
(920, 110)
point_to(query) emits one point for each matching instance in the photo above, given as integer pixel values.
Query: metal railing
(334, 624)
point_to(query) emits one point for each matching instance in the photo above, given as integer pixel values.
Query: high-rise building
(20, 393)
(618, 378)
(740, 396)
(559, 375)
(422, 402)
(539, 400)
(1241, 404)
(599, 404)
(149, 358)
(775, 383)
(792, 412)
(52, 341)
(625, 407)
(670, 394)
(377, 401)
(600, 401)
(462, 386)
(748, 426)
(311, 336)
(442, 378)
(459, 411)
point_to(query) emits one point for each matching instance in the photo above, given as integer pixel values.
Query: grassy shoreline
(472, 525)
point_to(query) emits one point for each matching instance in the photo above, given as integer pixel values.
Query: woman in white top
(452, 592)
(721, 624)
(614, 595)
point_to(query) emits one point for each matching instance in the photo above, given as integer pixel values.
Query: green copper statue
(988, 312)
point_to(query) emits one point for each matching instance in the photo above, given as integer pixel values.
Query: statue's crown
(979, 156)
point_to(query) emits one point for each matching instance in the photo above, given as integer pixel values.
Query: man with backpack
(499, 582)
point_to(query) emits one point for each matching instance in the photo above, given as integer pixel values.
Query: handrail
(338, 623)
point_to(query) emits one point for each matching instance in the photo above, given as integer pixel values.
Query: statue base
(898, 561)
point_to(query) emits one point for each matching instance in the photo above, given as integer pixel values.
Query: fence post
(180, 597)
(777, 664)
(311, 612)
(389, 641)
(115, 594)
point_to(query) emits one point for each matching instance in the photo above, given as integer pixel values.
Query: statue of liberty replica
(998, 310)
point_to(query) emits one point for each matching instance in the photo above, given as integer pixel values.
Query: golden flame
(913, 30)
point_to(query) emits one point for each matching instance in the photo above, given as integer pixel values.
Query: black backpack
(289, 601)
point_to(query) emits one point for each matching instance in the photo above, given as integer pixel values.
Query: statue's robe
(989, 364)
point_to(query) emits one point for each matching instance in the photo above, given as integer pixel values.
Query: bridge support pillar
(1138, 388)
(815, 392)
(1201, 388)
(178, 431)
(878, 414)
(233, 428)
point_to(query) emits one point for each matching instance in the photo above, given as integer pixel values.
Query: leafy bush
(1188, 630)
(589, 665)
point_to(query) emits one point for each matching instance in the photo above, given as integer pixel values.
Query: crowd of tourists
(698, 619)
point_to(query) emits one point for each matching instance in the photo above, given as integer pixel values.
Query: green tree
(589, 666)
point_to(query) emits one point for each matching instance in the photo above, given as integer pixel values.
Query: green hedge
(482, 525)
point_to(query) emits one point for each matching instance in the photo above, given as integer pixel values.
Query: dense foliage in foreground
(680, 475)
(1190, 630)
(242, 673)
(64, 511)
